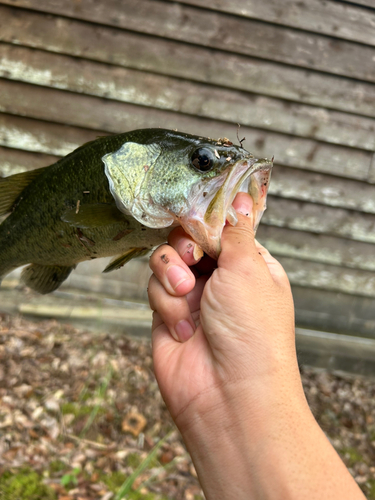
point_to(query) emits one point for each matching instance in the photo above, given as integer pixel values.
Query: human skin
(225, 360)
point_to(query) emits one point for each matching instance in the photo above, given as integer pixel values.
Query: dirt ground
(79, 412)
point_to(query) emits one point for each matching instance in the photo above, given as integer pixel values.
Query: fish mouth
(211, 202)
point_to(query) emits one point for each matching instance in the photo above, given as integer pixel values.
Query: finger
(162, 341)
(173, 311)
(238, 250)
(171, 271)
(194, 297)
(184, 245)
(243, 204)
(276, 269)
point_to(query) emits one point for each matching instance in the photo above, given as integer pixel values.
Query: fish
(120, 196)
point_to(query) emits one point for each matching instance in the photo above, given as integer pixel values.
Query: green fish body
(120, 196)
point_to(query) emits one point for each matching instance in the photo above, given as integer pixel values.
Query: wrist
(268, 447)
(231, 440)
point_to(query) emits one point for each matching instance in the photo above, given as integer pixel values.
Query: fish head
(180, 179)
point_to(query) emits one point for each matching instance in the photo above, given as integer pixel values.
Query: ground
(81, 412)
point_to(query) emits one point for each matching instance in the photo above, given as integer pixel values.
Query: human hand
(242, 314)
(225, 360)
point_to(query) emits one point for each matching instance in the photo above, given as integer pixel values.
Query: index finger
(184, 245)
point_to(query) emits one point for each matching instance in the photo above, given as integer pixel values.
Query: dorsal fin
(11, 187)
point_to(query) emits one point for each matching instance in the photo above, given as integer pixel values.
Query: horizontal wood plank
(320, 219)
(323, 189)
(13, 161)
(179, 60)
(319, 16)
(148, 89)
(290, 151)
(283, 242)
(42, 137)
(211, 29)
(334, 311)
(331, 278)
(218, 31)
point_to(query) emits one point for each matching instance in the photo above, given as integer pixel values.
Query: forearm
(277, 452)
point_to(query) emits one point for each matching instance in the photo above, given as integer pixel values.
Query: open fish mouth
(211, 201)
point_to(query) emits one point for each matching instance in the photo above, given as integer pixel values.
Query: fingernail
(177, 275)
(184, 330)
(191, 248)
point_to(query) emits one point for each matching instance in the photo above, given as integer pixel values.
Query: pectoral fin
(93, 215)
(45, 279)
(11, 187)
(132, 253)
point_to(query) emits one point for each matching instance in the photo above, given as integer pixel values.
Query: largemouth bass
(120, 196)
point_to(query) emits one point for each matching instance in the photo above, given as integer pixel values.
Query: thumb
(243, 204)
(238, 247)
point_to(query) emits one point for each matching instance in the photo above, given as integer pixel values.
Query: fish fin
(93, 215)
(11, 187)
(4, 270)
(45, 279)
(132, 253)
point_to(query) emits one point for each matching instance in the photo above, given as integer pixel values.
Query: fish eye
(203, 159)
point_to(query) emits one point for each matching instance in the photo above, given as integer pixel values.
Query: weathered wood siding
(298, 76)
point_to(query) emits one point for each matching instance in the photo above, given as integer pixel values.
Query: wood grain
(320, 219)
(149, 89)
(331, 278)
(322, 189)
(334, 311)
(13, 161)
(288, 150)
(319, 16)
(303, 245)
(195, 63)
(210, 29)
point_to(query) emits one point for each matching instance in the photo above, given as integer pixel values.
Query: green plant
(100, 395)
(126, 487)
(71, 479)
(24, 484)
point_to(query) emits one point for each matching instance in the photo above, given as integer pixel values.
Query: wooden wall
(299, 76)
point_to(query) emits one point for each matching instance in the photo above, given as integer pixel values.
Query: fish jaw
(210, 202)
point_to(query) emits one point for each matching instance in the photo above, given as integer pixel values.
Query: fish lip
(211, 202)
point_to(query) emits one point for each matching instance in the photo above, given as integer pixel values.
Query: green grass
(24, 484)
(125, 489)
